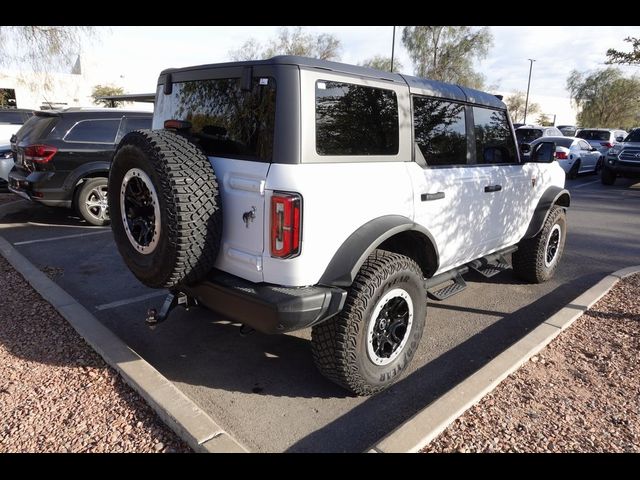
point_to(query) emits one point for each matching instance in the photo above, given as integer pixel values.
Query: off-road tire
(190, 208)
(529, 260)
(339, 344)
(80, 199)
(607, 177)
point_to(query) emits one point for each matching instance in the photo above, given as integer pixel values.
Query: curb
(428, 423)
(175, 409)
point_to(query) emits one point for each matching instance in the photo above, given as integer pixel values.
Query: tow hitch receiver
(172, 301)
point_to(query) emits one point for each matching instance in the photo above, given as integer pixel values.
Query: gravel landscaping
(56, 393)
(580, 394)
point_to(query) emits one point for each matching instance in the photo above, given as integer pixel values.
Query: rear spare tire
(165, 208)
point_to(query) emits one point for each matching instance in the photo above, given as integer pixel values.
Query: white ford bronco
(291, 193)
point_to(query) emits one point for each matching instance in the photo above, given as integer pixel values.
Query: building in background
(28, 89)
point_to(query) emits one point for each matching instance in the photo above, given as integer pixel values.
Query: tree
(605, 98)
(105, 91)
(291, 42)
(382, 63)
(631, 58)
(447, 53)
(545, 120)
(515, 105)
(41, 47)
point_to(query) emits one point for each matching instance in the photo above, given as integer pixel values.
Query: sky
(132, 57)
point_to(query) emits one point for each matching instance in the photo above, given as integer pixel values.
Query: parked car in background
(528, 133)
(573, 154)
(602, 138)
(517, 125)
(623, 159)
(62, 157)
(568, 130)
(11, 119)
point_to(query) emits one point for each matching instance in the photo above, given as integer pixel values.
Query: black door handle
(492, 188)
(425, 197)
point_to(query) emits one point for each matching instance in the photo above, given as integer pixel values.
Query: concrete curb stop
(427, 424)
(183, 416)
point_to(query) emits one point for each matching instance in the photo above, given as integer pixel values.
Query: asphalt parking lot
(264, 390)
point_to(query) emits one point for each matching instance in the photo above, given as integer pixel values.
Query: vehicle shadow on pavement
(42, 215)
(421, 387)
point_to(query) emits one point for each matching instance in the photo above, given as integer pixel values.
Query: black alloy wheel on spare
(165, 208)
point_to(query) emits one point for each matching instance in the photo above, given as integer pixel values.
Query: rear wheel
(573, 171)
(607, 177)
(367, 346)
(91, 201)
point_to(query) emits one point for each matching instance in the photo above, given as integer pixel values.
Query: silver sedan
(574, 155)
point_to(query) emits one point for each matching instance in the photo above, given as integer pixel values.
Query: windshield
(634, 136)
(593, 134)
(528, 135)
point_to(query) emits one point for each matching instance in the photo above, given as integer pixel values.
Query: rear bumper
(33, 187)
(264, 307)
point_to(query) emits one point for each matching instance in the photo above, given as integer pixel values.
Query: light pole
(526, 102)
(393, 46)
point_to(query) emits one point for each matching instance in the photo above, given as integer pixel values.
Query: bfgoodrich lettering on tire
(165, 208)
(367, 346)
(537, 258)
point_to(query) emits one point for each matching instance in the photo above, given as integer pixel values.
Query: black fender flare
(552, 196)
(85, 170)
(348, 259)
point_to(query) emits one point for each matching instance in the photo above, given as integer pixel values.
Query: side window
(440, 131)
(130, 124)
(584, 145)
(494, 142)
(355, 120)
(94, 131)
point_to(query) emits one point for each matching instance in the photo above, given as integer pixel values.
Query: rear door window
(494, 142)
(129, 124)
(94, 131)
(356, 120)
(440, 131)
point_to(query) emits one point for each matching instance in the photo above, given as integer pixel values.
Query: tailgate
(242, 186)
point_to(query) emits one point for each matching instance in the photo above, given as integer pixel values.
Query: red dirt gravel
(580, 394)
(56, 393)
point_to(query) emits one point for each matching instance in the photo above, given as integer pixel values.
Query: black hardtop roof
(435, 88)
(91, 112)
(22, 110)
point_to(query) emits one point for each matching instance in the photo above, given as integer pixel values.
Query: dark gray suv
(623, 159)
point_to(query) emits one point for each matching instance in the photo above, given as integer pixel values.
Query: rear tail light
(606, 144)
(39, 153)
(561, 155)
(286, 224)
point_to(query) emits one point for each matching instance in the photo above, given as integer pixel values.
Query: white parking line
(585, 184)
(127, 301)
(63, 237)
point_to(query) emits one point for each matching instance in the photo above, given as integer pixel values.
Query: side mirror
(544, 152)
(619, 139)
(593, 149)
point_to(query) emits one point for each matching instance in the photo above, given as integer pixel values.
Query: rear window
(226, 121)
(94, 131)
(528, 135)
(16, 118)
(560, 142)
(593, 135)
(634, 136)
(356, 120)
(36, 128)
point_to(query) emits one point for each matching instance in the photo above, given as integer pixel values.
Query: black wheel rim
(389, 326)
(552, 246)
(139, 211)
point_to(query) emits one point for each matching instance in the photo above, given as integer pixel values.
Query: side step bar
(486, 266)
